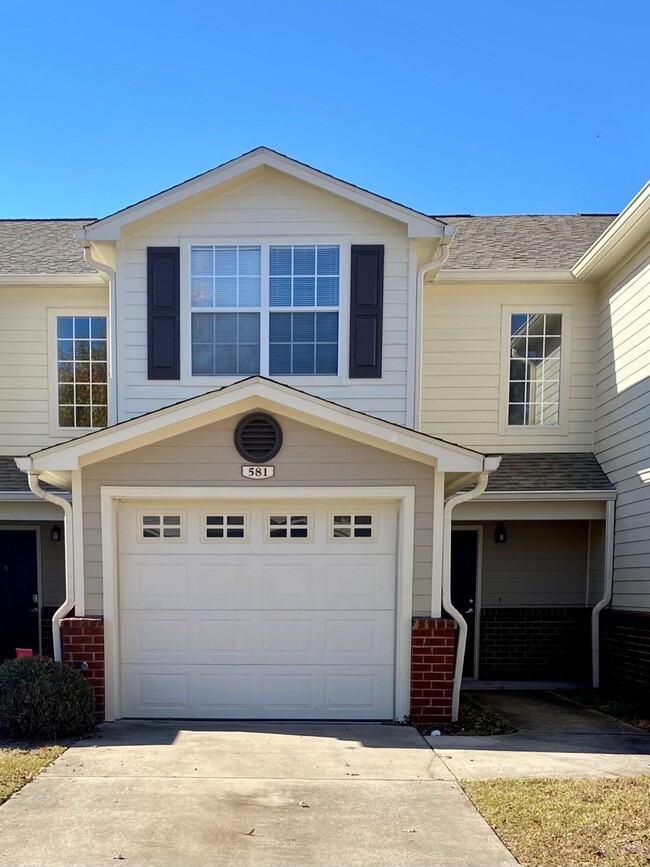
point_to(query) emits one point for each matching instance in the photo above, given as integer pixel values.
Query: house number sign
(258, 472)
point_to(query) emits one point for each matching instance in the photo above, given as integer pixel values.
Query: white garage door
(248, 610)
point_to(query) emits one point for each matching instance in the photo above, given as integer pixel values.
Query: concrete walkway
(556, 738)
(158, 794)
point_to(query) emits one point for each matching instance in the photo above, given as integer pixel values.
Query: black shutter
(163, 312)
(366, 310)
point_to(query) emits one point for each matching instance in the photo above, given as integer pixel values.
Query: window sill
(533, 430)
(299, 381)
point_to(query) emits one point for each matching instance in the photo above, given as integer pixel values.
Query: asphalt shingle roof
(500, 243)
(548, 471)
(510, 242)
(11, 478)
(42, 247)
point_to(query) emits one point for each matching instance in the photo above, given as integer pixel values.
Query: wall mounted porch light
(500, 534)
(55, 533)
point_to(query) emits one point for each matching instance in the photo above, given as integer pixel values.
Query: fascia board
(505, 496)
(618, 239)
(238, 398)
(514, 275)
(28, 497)
(91, 280)
(110, 228)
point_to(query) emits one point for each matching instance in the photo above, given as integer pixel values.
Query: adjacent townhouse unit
(278, 447)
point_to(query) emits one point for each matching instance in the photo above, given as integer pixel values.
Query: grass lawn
(546, 823)
(20, 765)
(624, 707)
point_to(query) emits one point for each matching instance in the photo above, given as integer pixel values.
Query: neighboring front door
(464, 556)
(19, 620)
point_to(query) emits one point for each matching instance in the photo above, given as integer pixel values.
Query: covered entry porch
(529, 568)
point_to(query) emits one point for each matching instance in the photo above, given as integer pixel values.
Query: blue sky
(467, 107)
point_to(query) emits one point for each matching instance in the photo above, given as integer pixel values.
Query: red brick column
(82, 641)
(432, 669)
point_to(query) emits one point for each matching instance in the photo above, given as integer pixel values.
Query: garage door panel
(266, 691)
(198, 637)
(198, 582)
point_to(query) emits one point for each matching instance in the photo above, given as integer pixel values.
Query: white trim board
(530, 510)
(404, 496)
(110, 228)
(252, 394)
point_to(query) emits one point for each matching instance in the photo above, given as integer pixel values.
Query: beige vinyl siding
(543, 563)
(25, 369)
(622, 428)
(52, 566)
(462, 364)
(309, 457)
(269, 206)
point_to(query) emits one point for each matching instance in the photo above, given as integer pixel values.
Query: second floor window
(270, 309)
(81, 361)
(535, 369)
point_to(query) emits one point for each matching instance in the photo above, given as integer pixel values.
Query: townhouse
(278, 447)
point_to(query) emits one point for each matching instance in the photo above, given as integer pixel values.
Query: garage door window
(289, 526)
(351, 526)
(161, 527)
(225, 527)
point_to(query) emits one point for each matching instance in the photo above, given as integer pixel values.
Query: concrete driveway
(556, 738)
(190, 795)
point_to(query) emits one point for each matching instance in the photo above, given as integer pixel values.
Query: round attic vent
(258, 438)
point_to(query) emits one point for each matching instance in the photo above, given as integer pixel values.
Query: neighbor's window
(283, 325)
(81, 353)
(535, 366)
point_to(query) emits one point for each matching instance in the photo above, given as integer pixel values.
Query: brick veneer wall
(432, 669)
(535, 644)
(82, 642)
(625, 649)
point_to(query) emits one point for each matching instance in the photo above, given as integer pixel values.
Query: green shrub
(41, 699)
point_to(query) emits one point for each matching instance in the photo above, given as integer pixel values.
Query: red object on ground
(23, 651)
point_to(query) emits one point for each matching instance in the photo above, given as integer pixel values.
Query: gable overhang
(418, 225)
(628, 232)
(249, 395)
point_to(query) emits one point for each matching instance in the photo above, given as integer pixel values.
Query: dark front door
(19, 621)
(464, 552)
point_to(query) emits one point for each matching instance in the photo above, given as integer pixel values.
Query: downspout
(68, 603)
(434, 265)
(112, 327)
(489, 465)
(608, 582)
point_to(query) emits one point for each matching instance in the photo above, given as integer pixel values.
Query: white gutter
(112, 329)
(68, 603)
(434, 265)
(608, 581)
(489, 465)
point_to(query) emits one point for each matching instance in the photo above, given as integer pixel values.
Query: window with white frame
(225, 527)
(156, 526)
(270, 309)
(81, 364)
(535, 366)
(351, 526)
(288, 526)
